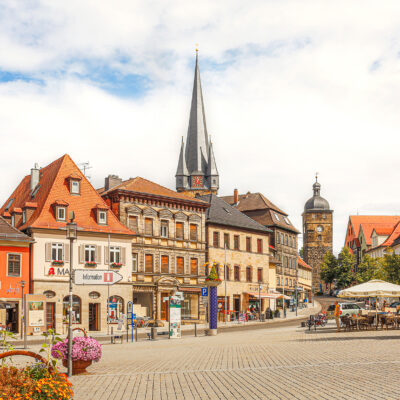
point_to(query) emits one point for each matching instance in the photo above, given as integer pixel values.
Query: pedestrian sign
(204, 291)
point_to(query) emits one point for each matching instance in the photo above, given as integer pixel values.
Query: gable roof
(54, 189)
(8, 232)
(357, 220)
(393, 236)
(220, 212)
(144, 186)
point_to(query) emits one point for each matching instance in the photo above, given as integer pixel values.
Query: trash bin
(262, 318)
(268, 313)
(153, 333)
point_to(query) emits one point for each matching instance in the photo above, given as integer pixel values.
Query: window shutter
(48, 252)
(98, 254)
(66, 252)
(106, 259)
(123, 255)
(81, 254)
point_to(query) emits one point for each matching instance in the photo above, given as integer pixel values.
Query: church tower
(317, 233)
(197, 170)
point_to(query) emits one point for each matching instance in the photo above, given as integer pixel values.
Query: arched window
(115, 308)
(94, 295)
(76, 309)
(49, 294)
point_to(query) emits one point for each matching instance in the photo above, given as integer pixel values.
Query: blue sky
(290, 88)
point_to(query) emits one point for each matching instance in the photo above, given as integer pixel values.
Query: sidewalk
(188, 329)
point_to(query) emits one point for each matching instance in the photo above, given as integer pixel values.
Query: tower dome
(316, 202)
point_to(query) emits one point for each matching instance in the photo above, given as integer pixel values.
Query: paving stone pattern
(274, 363)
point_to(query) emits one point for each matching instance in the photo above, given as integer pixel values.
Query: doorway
(236, 305)
(94, 316)
(50, 315)
(164, 306)
(12, 318)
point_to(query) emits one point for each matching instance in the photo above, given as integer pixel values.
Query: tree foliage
(328, 268)
(391, 265)
(370, 268)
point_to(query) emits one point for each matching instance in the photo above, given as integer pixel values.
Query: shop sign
(204, 291)
(175, 317)
(99, 277)
(36, 313)
(57, 271)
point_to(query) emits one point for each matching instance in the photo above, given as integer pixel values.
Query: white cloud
(308, 86)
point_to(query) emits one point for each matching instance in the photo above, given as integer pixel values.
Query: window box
(90, 264)
(57, 262)
(115, 265)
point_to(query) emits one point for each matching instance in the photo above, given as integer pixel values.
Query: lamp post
(225, 277)
(71, 235)
(22, 283)
(259, 301)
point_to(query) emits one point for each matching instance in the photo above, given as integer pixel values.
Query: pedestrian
(336, 314)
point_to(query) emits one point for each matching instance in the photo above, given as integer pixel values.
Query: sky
(290, 89)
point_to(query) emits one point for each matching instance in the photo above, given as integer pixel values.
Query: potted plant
(91, 263)
(116, 265)
(85, 350)
(57, 262)
(212, 278)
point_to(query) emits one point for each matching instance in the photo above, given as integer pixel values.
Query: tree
(370, 268)
(344, 269)
(301, 253)
(328, 268)
(391, 265)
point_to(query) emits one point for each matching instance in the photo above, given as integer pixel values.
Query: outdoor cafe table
(357, 319)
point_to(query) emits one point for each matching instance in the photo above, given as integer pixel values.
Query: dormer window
(102, 217)
(101, 214)
(75, 187)
(61, 213)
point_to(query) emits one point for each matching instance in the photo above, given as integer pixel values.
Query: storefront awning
(189, 289)
(266, 295)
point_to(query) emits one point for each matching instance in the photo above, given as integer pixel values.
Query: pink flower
(87, 349)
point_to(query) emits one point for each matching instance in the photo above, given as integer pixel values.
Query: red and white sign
(99, 277)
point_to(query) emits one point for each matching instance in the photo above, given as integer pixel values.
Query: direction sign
(204, 291)
(99, 277)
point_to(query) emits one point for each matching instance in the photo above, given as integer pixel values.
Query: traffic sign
(204, 291)
(99, 277)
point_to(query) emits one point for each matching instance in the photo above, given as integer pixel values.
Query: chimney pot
(236, 196)
(34, 177)
(112, 181)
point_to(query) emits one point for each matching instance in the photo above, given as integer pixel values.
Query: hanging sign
(175, 317)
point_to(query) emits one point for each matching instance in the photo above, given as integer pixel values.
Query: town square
(199, 200)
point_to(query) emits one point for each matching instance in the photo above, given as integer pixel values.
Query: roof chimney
(235, 196)
(34, 177)
(112, 181)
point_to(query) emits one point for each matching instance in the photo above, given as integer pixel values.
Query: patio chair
(388, 321)
(363, 323)
(345, 320)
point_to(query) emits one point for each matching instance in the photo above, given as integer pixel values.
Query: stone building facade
(317, 233)
(168, 250)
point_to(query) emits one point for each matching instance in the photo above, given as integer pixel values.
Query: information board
(175, 317)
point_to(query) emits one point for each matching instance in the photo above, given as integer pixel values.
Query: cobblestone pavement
(274, 363)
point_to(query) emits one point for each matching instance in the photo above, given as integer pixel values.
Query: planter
(90, 264)
(78, 366)
(213, 283)
(57, 263)
(116, 265)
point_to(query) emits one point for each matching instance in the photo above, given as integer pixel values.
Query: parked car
(395, 304)
(345, 309)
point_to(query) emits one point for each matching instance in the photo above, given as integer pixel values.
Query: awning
(189, 289)
(267, 295)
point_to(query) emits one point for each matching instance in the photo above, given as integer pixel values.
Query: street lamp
(71, 235)
(22, 283)
(259, 301)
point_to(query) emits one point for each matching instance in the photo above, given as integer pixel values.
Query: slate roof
(8, 232)
(220, 212)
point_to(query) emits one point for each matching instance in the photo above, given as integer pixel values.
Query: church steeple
(196, 159)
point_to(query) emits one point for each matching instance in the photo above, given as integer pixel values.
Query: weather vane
(316, 177)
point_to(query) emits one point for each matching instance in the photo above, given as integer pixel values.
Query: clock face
(320, 228)
(197, 181)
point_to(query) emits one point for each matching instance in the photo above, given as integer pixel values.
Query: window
(133, 223)
(115, 254)
(226, 272)
(94, 295)
(277, 216)
(290, 283)
(164, 229)
(76, 309)
(286, 282)
(134, 262)
(103, 217)
(287, 220)
(285, 261)
(190, 306)
(277, 238)
(319, 237)
(286, 241)
(248, 274)
(180, 269)
(49, 294)
(259, 246)
(75, 187)
(61, 213)
(164, 264)
(248, 244)
(226, 240)
(179, 230)
(14, 265)
(236, 242)
(115, 308)
(193, 232)
(278, 281)
(290, 241)
(57, 252)
(282, 238)
(24, 216)
(148, 226)
(216, 239)
(237, 273)
(260, 274)
(148, 263)
(193, 266)
(90, 253)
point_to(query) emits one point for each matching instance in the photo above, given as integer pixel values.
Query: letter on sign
(108, 277)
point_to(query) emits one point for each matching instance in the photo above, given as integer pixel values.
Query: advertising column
(175, 315)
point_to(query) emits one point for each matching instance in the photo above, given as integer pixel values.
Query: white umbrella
(374, 288)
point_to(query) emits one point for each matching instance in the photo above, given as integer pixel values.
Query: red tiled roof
(6, 214)
(357, 220)
(53, 188)
(393, 236)
(301, 262)
(30, 204)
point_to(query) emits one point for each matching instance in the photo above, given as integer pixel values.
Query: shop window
(216, 239)
(76, 309)
(236, 242)
(115, 308)
(115, 254)
(180, 269)
(237, 273)
(193, 266)
(193, 232)
(148, 263)
(133, 223)
(190, 306)
(260, 274)
(248, 274)
(57, 252)
(148, 226)
(259, 246)
(248, 244)
(226, 240)
(14, 265)
(164, 229)
(179, 230)
(164, 264)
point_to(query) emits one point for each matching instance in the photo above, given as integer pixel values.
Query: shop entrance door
(236, 306)
(50, 315)
(164, 306)
(94, 316)
(12, 319)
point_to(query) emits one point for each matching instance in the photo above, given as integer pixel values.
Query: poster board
(175, 316)
(35, 307)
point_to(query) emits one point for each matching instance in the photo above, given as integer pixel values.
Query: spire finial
(316, 177)
(197, 48)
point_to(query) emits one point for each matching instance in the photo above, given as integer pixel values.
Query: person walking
(336, 314)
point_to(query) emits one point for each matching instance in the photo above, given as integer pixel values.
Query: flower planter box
(90, 264)
(57, 262)
(115, 265)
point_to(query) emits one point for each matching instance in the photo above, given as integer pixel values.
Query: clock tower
(197, 170)
(317, 233)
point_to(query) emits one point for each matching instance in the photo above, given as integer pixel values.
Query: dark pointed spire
(182, 169)
(316, 186)
(212, 165)
(197, 137)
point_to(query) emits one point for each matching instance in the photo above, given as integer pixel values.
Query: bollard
(195, 329)
(136, 333)
(112, 335)
(153, 333)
